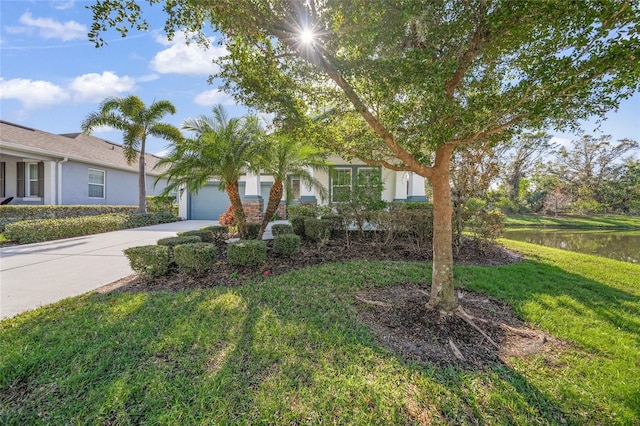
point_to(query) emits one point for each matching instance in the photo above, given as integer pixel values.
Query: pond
(619, 245)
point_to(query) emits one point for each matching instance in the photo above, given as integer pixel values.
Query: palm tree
(222, 149)
(137, 122)
(286, 156)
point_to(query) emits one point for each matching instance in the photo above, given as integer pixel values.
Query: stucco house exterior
(209, 202)
(38, 167)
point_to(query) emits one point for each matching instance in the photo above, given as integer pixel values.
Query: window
(360, 182)
(96, 183)
(32, 180)
(341, 185)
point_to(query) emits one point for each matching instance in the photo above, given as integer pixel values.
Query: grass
(287, 350)
(575, 221)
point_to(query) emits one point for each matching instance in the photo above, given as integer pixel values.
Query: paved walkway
(34, 275)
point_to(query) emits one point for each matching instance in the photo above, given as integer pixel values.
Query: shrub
(297, 224)
(227, 218)
(136, 220)
(162, 204)
(149, 261)
(219, 232)
(317, 230)
(253, 229)
(286, 244)
(338, 224)
(207, 236)
(247, 252)
(38, 230)
(174, 241)
(281, 228)
(195, 257)
(306, 210)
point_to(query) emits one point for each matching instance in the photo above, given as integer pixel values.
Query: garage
(209, 203)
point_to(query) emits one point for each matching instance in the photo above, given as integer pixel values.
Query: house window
(96, 183)
(344, 180)
(31, 188)
(341, 185)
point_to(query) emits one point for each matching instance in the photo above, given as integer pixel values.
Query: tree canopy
(405, 83)
(137, 122)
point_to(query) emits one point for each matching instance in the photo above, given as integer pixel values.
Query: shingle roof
(76, 146)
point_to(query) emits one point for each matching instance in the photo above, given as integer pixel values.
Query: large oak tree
(406, 83)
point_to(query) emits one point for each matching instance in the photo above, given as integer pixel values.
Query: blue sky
(51, 76)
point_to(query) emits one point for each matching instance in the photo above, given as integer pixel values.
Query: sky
(52, 76)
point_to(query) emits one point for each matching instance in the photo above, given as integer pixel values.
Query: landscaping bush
(338, 224)
(162, 204)
(227, 218)
(317, 230)
(219, 232)
(247, 252)
(149, 261)
(38, 230)
(286, 244)
(137, 220)
(281, 228)
(206, 235)
(17, 213)
(174, 241)
(297, 224)
(253, 230)
(307, 210)
(195, 257)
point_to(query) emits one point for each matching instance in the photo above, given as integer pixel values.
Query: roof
(75, 146)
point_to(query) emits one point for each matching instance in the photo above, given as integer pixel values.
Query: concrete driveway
(34, 275)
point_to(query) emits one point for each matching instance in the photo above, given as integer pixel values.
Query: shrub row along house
(42, 168)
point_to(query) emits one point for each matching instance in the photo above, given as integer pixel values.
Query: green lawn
(287, 350)
(595, 221)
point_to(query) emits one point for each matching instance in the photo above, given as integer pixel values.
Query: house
(37, 167)
(209, 202)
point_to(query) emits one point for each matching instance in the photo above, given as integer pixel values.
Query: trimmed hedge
(17, 212)
(338, 224)
(149, 261)
(194, 258)
(297, 224)
(34, 231)
(219, 232)
(253, 229)
(317, 229)
(174, 241)
(38, 230)
(286, 244)
(247, 252)
(281, 228)
(206, 236)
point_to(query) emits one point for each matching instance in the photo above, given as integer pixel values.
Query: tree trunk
(275, 195)
(238, 211)
(443, 296)
(142, 180)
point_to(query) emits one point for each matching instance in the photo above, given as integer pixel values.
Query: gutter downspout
(59, 163)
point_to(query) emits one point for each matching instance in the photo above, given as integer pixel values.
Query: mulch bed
(488, 332)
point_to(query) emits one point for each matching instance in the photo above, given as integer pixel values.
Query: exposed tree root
(373, 302)
(461, 313)
(456, 351)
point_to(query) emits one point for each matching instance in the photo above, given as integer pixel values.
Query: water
(619, 245)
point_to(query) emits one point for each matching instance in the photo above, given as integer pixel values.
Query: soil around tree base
(484, 333)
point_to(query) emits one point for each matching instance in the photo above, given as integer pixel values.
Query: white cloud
(213, 97)
(32, 94)
(63, 4)
(95, 87)
(49, 28)
(183, 58)
(148, 77)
